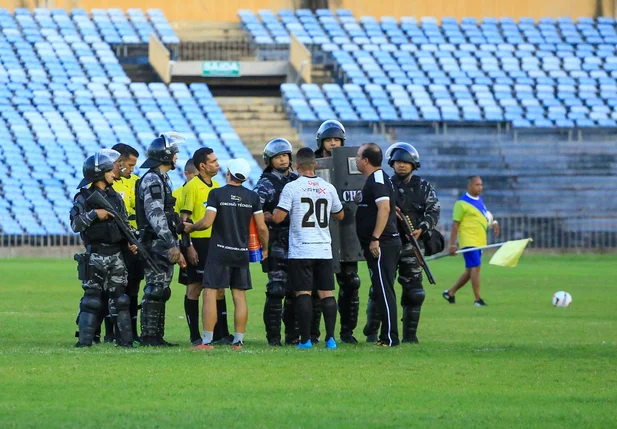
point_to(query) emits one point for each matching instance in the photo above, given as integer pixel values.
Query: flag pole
(471, 249)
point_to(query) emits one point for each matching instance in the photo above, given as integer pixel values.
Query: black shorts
(222, 276)
(306, 275)
(194, 274)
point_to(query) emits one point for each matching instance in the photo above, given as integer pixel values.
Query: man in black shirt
(379, 237)
(229, 211)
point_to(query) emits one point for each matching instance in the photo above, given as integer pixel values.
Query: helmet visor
(404, 146)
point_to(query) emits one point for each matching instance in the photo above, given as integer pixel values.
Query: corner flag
(509, 254)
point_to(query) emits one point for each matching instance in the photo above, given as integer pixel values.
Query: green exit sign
(220, 69)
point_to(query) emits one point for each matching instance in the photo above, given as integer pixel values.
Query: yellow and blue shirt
(125, 187)
(195, 200)
(472, 215)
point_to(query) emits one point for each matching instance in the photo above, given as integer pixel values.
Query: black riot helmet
(275, 147)
(330, 129)
(95, 167)
(403, 152)
(162, 150)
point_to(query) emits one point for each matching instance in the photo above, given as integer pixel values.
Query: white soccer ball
(562, 299)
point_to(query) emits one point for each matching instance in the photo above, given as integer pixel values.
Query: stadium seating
(554, 73)
(63, 96)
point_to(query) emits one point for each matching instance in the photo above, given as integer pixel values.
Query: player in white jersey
(309, 201)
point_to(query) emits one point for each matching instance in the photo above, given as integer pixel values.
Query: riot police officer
(101, 268)
(416, 199)
(157, 222)
(277, 158)
(332, 134)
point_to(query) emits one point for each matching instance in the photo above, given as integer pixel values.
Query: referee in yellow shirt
(471, 220)
(125, 186)
(195, 198)
(189, 172)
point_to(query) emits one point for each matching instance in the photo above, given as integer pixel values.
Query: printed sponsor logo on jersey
(236, 198)
(318, 191)
(349, 195)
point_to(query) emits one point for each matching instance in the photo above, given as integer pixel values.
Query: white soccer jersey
(309, 202)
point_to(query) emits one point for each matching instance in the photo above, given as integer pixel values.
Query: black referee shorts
(194, 274)
(305, 275)
(218, 276)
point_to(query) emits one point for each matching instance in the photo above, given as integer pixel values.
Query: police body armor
(103, 233)
(410, 198)
(146, 231)
(340, 170)
(270, 206)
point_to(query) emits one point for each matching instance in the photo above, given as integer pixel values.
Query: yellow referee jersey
(126, 188)
(195, 200)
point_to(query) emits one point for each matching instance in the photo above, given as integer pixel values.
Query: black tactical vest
(410, 198)
(168, 207)
(102, 231)
(278, 184)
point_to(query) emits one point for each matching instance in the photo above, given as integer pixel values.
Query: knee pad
(91, 302)
(154, 292)
(349, 281)
(413, 297)
(123, 302)
(276, 290)
(166, 294)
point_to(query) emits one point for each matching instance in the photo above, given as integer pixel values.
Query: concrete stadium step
(320, 74)
(258, 120)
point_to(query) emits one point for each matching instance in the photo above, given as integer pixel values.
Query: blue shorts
(473, 258)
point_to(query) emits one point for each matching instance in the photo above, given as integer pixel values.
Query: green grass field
(517, 363)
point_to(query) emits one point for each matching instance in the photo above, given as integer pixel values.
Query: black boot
(273, 313)
(292, 330)
(349, 309)
(373, 320)
(411, 318)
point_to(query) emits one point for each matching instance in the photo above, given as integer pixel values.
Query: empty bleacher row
(554, 73)
(63, 97)
(112, 26)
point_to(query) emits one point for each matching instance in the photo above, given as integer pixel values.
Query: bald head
(474, 186)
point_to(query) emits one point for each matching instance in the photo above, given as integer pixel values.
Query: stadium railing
(554, 233)
(560, 233)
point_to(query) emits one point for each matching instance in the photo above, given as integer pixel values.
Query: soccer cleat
(109, 339)
(448, 297)
(480, 303)
(382, 344)
(275, 342)
(80, 345)
(238, 345)
(314, 340)
(348, 339)
(331, 343)
(372, 338)
(307, 345)
(225, 341)
(196, 342)
(204, 347)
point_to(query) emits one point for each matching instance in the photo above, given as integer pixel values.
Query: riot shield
(340, 170)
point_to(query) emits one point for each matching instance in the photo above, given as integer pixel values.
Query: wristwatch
(373, 238)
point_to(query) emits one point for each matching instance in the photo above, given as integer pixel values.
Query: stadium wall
(478, 8)
(227, 11)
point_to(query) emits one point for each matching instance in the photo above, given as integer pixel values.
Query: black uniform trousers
(383, 274)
